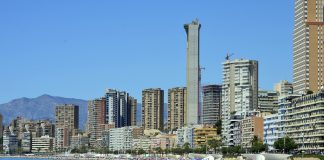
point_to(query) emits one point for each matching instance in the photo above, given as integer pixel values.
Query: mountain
(42, 107)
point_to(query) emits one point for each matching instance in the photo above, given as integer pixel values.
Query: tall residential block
(211, 110)
(66, 123)
(308, 46)
(112, 107)
(193, 73)
(283, 88)
(96, 119)
(152, 108)
(177, 107)
(119, 106)
(239, 94)
(67, 116)
(133, 104)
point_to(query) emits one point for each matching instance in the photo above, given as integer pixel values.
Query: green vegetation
(102, 150)
(257, 145)
(285, 144)
(82, 149)
(218, 126)
(232, 151)
(214, 144)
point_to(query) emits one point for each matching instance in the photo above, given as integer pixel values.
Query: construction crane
(228, 55)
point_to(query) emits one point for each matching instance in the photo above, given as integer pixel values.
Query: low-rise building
(79, 140)
(121, 139)
(272, 131)
(42, 144)
(235, 132)
(203, 134)
(163, 141)
(10, 142)
(62, 138)
(26, 142)
(185, 135)
(143, 142)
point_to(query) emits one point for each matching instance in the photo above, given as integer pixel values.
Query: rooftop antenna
(228, 56)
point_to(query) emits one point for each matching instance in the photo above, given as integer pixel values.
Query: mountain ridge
(41, 107)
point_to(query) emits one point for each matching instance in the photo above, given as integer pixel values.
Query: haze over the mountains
(43, 107)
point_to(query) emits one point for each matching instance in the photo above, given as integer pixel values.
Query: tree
(218, 126)
(232, 150)
(186, 148)
(285, 144)
(257, 145)
(141, 151)
(158, 150)
(214, 144)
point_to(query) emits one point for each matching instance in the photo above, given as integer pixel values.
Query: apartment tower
(152, 108)
(96, 119)
(133, 104)
(193, 73)
(239, 96)
(66, 124)
(211, 110)
(67, 116)
(119, 106)
(308, 46)
(177, 107)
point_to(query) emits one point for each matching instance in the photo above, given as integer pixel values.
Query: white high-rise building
(193, 73)
(239, 93)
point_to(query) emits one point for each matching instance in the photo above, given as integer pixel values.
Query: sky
(79, 48)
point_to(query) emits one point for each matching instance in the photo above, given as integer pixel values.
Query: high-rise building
(67, 116)
(119, 106)
(239, 94)
(308, 46)
(66, 123)
(177, 107)
(152, 108)
(283, 88)
(133, 103)
(96, 118)
(193, 73)
(211, 110)
(112, 107)
(267, 101)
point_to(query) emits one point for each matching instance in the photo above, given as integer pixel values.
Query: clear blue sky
(76, 48)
